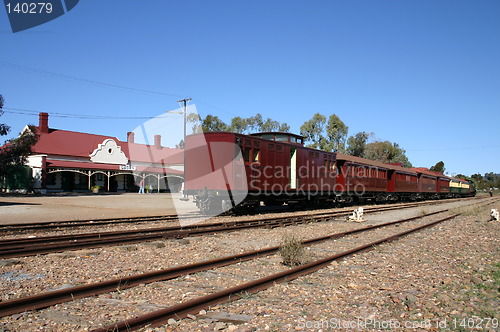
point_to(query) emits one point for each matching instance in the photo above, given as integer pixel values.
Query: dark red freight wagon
(403, 183)
(361, 178)
(427, 183)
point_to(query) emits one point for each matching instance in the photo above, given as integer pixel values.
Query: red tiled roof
(70, 143)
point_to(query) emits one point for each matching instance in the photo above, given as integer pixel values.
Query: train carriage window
(282, 138)
(271, 146)
(279, 147)
(338, 168)
(246, 155)
(256, 155)
(256, 144)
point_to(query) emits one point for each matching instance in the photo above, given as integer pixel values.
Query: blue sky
(424, 74)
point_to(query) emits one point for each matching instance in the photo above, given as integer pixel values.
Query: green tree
(284, 127)
(270, 125)
(439, 167)
(313, 130)
(213, 123)
(356, 145)
(4, 129)
(238, 125)
(255, 123)
(195, 121)
(387, 152)
(14, 152)
(336, 134)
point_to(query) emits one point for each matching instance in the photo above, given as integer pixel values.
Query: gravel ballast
(437, 276)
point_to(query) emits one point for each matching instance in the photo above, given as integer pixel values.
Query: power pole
(185, 101)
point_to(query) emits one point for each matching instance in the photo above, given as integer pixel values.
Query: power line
(82, 116)
(82, 80)
(51, 74)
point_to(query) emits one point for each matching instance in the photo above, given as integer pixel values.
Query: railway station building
(68, 161)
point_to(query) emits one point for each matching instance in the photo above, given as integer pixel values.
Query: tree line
(240, 125)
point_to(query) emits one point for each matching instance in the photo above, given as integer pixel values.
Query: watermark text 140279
(29, 7)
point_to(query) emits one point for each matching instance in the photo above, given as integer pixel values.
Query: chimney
(158, 141)
(130, 137)
(43, 125)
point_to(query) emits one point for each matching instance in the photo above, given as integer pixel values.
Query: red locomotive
(226, 171)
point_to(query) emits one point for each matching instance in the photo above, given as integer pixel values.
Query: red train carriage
(403, 184)
(443, 186)
(358, 177)
(229, 170)
(233, 171)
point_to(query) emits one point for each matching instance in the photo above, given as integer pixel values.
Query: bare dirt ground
(28, 209)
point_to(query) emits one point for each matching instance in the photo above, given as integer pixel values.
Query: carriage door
(293, 168)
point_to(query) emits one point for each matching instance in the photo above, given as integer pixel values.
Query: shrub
(291, 251)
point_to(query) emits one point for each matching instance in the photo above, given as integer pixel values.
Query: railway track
(50, 298)
(84, 223)
(19, 247)
(179, 311)
(58, 225)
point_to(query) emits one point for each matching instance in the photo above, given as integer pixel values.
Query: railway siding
(345, 279)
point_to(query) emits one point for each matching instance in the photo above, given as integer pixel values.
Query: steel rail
(101, 235)
(84, 222)
(111, 221)
(181, 310)
(43, 300)
(10, 248)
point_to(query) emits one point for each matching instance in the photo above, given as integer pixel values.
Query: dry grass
(477, 211)
(292, 251)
